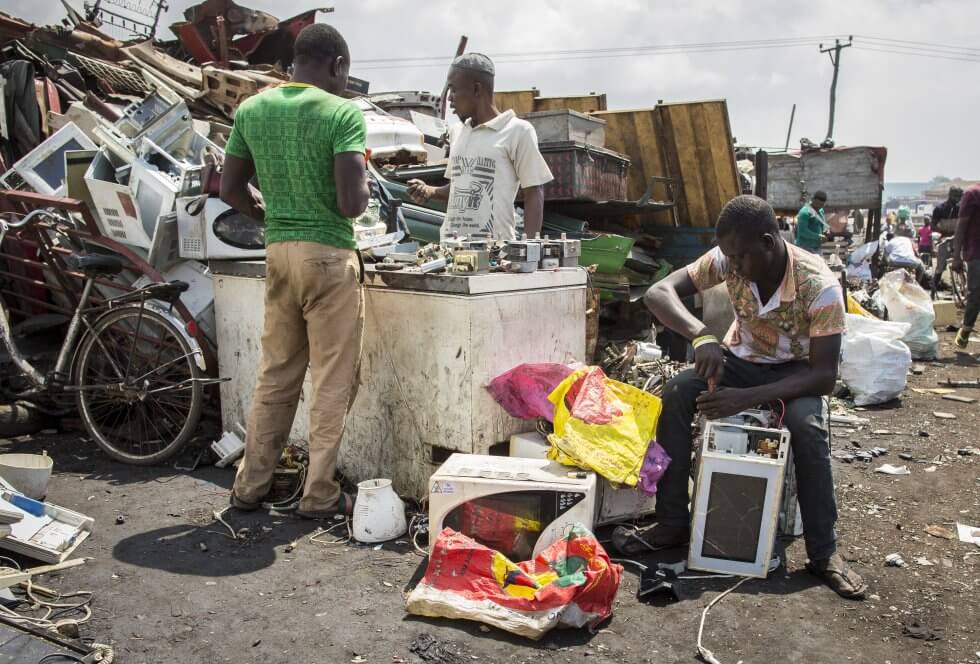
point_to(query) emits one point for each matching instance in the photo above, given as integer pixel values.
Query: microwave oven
(512, 505)
(208, 228)
(614, 504)
(738, 495)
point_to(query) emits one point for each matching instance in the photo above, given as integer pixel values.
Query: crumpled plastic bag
(602, 425)
(908, 302)
(523, 391)
(654, 466)
(874, 360)
(571, 583)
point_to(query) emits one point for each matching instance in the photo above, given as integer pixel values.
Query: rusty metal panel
(852, 177)
(634, 133)
(696, 141)
(520, 101)
(589, 103)
(584, 173)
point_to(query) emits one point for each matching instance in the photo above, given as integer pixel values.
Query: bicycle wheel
(958, 279)
(139, 396)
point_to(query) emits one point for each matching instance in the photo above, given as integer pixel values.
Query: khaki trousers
(314, 315)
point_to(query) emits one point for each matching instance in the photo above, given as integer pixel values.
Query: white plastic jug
(379, 514)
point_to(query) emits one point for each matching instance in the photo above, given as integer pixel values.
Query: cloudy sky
(921, 108)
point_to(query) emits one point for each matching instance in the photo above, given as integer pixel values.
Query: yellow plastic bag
(602, 425)
(853, 307)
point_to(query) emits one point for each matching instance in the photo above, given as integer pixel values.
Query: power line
(878, 44)
(627, 50)
(917, 54)
(556, 56)
(918, 43)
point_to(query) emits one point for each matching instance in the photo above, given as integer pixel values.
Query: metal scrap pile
(223, 54)
(635, 364)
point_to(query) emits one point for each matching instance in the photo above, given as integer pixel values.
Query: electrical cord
(703, 652)
(64, 656)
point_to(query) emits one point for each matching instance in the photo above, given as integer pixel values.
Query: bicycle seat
(93, 264)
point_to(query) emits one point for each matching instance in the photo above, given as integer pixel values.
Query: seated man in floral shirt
(783, 346)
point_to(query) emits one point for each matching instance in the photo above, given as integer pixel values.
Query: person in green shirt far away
(305, 146)
(811, 224)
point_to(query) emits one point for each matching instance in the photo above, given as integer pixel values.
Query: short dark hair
(320, 43)
(748, 215)
(820, 195)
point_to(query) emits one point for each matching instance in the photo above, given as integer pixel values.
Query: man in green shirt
(305, 146)
(811, 225)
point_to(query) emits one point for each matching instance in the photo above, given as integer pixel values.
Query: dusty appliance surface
(431, 344)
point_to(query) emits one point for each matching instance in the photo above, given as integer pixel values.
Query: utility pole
(834, 52)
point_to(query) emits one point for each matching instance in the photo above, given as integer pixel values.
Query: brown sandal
(841, 579)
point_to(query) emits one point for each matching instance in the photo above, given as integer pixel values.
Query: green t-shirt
(292, 133)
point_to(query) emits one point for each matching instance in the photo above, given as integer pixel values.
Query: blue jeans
(810, 439)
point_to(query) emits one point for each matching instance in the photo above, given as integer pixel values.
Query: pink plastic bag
(523, 391)
(654, 466)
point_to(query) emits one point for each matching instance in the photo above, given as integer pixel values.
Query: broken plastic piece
(889, 469)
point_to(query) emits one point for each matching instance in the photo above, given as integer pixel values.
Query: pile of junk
(125, 139)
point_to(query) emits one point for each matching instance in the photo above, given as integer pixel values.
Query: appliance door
(231, 234)
(511, 522)
(736, 508)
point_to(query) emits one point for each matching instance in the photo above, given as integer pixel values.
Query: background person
(966, 256)
(490, 155)
(811, 224)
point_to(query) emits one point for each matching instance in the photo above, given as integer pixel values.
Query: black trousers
(807, 422)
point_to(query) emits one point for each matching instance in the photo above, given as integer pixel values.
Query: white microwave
(207, 229)
(516, 506)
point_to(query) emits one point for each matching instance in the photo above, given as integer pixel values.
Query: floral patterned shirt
(808, 303)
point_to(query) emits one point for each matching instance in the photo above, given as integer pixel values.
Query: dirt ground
(170, 586)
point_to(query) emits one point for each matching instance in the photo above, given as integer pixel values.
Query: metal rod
(789, 132)
(444, 100)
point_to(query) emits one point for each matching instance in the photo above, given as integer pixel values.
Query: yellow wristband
(705, 339)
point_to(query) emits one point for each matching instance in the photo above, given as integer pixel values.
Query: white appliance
(116, 211)
(738, 495)
(210, 229)
(43, 168)
(515, 506)
(614, 504)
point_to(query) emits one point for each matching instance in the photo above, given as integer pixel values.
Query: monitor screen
(51, 169)
(734, 517)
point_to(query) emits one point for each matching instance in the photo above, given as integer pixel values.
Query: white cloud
(923, 110)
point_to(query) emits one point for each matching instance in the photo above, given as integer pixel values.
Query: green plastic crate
(608, 252)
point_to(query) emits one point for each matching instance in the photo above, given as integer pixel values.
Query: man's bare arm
(235, 191)
(664, 301)
(421, 192)
(350, 175)
(533, 210)
(816, 379)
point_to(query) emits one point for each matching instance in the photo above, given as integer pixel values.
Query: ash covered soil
(171, 586)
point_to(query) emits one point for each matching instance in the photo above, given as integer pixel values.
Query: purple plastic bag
(523, 391)
(654, 466)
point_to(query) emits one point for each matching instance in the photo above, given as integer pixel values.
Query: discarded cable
(320, 532)
(703, 652)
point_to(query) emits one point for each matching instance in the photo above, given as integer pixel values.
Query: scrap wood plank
(581, 103)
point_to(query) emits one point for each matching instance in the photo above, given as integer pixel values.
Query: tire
(958, 280)
(129, 423)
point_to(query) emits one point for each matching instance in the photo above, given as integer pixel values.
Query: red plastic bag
(523, 391)
(572, 583)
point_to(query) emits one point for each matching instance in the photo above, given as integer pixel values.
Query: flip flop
(839, 579)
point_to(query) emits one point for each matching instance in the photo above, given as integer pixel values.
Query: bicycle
(957, 280)
(137, 378)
